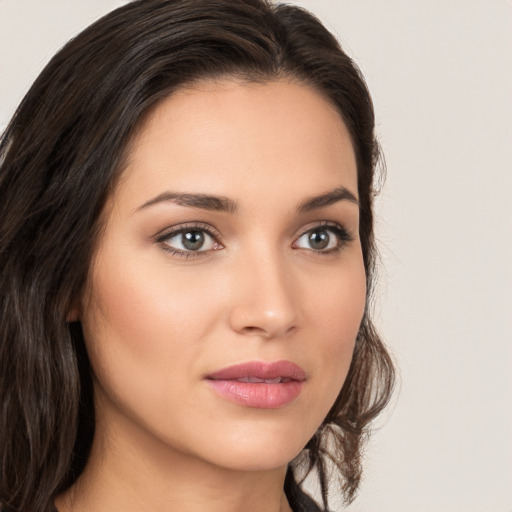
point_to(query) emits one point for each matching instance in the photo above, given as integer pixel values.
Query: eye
(187, 240)
(325, 238)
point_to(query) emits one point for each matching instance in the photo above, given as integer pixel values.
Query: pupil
(193, 240)
(319, 239)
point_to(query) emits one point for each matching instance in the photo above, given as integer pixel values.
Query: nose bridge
(264, 304)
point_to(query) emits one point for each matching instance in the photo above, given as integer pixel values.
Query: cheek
(140, 340)
(135, 335)
(339, 311)
(143, 307)
(340, 298)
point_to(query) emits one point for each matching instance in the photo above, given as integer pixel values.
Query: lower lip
(258, 394)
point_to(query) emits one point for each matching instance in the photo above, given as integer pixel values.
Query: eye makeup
(330, 237)
(192, 237)
(198, 239)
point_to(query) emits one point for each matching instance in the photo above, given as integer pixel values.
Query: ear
(73, 314)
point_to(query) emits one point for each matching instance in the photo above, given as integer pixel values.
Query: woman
(187, 250)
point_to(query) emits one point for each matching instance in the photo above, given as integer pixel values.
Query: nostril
(253, 330)
(260, 331)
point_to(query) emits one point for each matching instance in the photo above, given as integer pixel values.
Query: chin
(267, 459)
(260, 448)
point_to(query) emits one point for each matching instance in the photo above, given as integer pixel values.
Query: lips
(259, 384)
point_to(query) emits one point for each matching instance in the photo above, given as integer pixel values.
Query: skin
(157, 322)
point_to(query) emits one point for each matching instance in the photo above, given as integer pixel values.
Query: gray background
(441, 77)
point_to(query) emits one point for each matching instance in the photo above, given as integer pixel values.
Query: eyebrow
(224, 204)
(327, 199)
(203, 201)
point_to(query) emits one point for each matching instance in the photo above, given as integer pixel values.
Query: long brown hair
(60, 158)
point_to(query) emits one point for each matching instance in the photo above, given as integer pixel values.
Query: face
(227, 288)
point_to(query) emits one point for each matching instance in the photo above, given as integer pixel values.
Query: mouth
(258, 384)
(251, 378)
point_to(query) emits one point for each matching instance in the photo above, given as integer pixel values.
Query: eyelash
(172, 232)
(343, 238)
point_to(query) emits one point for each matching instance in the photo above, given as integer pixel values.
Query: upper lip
(261, 370)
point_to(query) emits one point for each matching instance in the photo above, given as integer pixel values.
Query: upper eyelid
(180, 228)
(325, 224)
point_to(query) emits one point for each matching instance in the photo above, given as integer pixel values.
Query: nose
(264, 303)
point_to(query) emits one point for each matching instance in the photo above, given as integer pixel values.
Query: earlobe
(73, 314)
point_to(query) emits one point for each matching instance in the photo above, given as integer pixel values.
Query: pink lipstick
(258, 384)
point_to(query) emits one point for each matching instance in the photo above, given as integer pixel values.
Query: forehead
(222, 136)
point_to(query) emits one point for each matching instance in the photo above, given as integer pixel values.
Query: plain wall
(441, 77)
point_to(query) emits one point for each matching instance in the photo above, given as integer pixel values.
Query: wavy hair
(60, 158)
